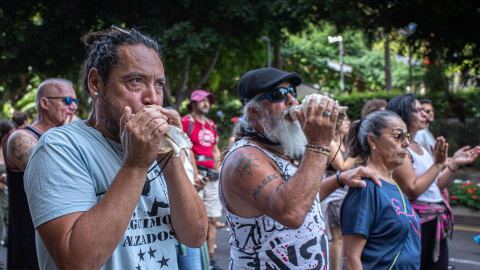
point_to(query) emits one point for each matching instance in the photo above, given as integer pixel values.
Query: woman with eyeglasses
(422, 176)
(379, 226)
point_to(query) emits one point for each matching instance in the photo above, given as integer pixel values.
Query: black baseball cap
(262, 80)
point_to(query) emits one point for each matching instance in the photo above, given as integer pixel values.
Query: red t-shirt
(203, 137)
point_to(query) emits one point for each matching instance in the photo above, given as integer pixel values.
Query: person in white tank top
(422, 176)
(270, 179)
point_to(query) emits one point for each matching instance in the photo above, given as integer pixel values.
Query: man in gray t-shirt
(100, 194)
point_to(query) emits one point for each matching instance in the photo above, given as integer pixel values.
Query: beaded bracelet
(317, 149)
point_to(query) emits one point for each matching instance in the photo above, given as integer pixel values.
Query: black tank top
(22, 252)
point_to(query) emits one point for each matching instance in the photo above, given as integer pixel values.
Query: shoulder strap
(211, 124)
(190, 125)
(33, 131)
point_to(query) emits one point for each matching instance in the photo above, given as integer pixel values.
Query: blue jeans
(191, 261)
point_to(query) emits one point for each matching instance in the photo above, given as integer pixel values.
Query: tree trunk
(277, 61)
(180, 92)
(434, 77)
(388, 67)
(180, 97)
(167, 93)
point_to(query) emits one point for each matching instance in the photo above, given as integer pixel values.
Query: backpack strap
(190, 125)
(211, 124)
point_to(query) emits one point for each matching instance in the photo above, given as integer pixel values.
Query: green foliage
(308, 52)
(356, 101)
(461, 104)
(465, 193)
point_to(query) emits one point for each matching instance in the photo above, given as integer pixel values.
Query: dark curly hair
(6, 126)
(373, 105)
(402, 105)
(102, 50)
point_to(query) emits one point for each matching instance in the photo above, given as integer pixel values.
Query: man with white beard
(271, 176)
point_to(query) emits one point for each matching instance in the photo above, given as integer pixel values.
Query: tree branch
(207, 72)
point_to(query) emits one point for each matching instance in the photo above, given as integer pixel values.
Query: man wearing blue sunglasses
(52, 112)
(271, 178)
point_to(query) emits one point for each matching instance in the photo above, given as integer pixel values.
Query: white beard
(290, 135)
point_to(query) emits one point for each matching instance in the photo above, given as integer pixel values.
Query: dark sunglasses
(401, 136)
(279, 94)
(67, 100)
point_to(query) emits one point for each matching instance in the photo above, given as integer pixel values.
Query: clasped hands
(142, 132)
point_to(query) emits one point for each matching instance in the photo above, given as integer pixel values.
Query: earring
(96, 94)
(373, 148)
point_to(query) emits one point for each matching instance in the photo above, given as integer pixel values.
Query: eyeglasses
(417, 110)
(279, 94)
(401, 136)
(67, 100)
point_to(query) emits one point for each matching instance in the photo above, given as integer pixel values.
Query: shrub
(466, 193)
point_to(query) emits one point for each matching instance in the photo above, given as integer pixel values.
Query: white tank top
(263, 243)
(421, 164)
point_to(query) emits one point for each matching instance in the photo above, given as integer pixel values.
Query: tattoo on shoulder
(245, 164)
(264, 183)
(22, 146)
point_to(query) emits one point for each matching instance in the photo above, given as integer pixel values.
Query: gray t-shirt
(70, 170)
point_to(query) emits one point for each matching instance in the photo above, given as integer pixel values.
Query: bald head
(48, 88)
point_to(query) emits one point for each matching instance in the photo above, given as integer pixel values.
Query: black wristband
(452, 170)
(339, 181)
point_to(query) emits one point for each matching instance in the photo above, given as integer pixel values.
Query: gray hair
(246, 123)
(44, 86)
(373, 124)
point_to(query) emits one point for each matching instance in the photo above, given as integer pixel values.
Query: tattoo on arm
(245, 164)
(265, 181)
(22, 147)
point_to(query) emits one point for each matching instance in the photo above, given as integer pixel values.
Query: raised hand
(440, 150)
(70, 119)
(465, 155)
(319, 123)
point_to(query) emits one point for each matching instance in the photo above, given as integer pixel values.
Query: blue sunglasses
(67, 100)
(279, 94)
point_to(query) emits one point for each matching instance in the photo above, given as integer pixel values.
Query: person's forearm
(216, 157)
(329, 185)
(445, 178)
(189, 218)
(294, 198)
(421, 184)
(94, 236)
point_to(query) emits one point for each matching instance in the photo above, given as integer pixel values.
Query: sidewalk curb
(466, 215)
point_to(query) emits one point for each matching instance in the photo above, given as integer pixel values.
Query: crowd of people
(97, 194)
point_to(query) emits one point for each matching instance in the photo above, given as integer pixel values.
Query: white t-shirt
(69, 171)
(426, 137)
